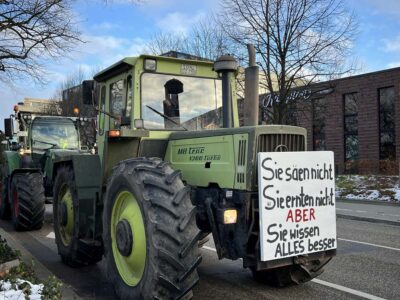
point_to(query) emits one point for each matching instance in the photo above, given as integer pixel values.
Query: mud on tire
(172, 257)
(76, 253)
(27, 201)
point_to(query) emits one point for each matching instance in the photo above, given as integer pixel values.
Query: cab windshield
(54, 133)
(181, 102)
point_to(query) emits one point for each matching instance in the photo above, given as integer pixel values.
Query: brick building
(357, 117)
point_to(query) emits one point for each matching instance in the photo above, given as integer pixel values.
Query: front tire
(27, 201)
(72, 249)
(150, 234)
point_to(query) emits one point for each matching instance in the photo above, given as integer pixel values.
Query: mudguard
(87, 173)
(14, 164)
(12, 161)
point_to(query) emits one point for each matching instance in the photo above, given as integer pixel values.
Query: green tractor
(172, 166)
(28, 159)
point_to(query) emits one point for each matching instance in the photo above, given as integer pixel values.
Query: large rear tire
(150, 234)
(291, 275)
(27, 201)
(72, 249)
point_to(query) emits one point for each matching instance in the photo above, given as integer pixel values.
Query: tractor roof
(128, 62)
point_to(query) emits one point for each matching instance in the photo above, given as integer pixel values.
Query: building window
(351, 126)
(319, 122)
(387, 140)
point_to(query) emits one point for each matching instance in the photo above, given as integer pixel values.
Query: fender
(86, 172)
(87, 176)
(12, 161)
(14, 164)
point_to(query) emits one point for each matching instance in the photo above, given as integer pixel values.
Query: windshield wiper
(166, 117)
(107, 113)
(47, 143)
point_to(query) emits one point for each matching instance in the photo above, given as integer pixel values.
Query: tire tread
(167, 204)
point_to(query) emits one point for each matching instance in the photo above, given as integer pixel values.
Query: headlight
(85, 119)
(150, 64)
(230, 216)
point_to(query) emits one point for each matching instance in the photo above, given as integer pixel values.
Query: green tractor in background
(172, 166)
(28, 158)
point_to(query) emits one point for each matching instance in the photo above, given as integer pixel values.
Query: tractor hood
(228, 157)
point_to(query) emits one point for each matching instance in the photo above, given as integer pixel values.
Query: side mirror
(88, 92)
(8, 127)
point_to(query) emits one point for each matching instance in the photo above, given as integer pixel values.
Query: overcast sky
(120, 29)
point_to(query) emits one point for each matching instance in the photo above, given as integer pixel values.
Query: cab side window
(117, 105)
(129, 96)
(102, 108)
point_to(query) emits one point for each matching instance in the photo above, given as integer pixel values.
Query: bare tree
(207, 40)
(31, 31)
(163, 42)
(298, 42)
(204, 39)
(72, 80)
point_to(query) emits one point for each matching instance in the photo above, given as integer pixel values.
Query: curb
(41, 271)
(372, 220)
(371, 202)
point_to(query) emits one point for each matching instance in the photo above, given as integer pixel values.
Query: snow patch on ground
(372, 195)
(9, 291)
(397, 194)
(371, 187)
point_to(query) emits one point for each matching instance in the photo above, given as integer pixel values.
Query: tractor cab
(166, 93)
(150, 97)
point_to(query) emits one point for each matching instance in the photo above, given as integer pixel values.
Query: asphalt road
(367, 266)
(372, 210)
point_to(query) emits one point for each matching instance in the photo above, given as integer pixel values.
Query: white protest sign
(296, 203)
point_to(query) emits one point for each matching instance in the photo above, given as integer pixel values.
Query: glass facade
(350, 126)
(387, 137)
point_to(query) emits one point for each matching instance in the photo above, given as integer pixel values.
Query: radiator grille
(281, 142)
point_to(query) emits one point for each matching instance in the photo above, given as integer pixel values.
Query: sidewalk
(371, 211)
(41, 271)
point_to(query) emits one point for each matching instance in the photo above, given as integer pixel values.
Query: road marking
(391, 215)
(347, 209)
(343, 209)
(370, 244)
(51, 235)
(347, 290)
(332, 285)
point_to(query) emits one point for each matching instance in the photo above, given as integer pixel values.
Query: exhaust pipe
(226, 65)
(251, 98)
